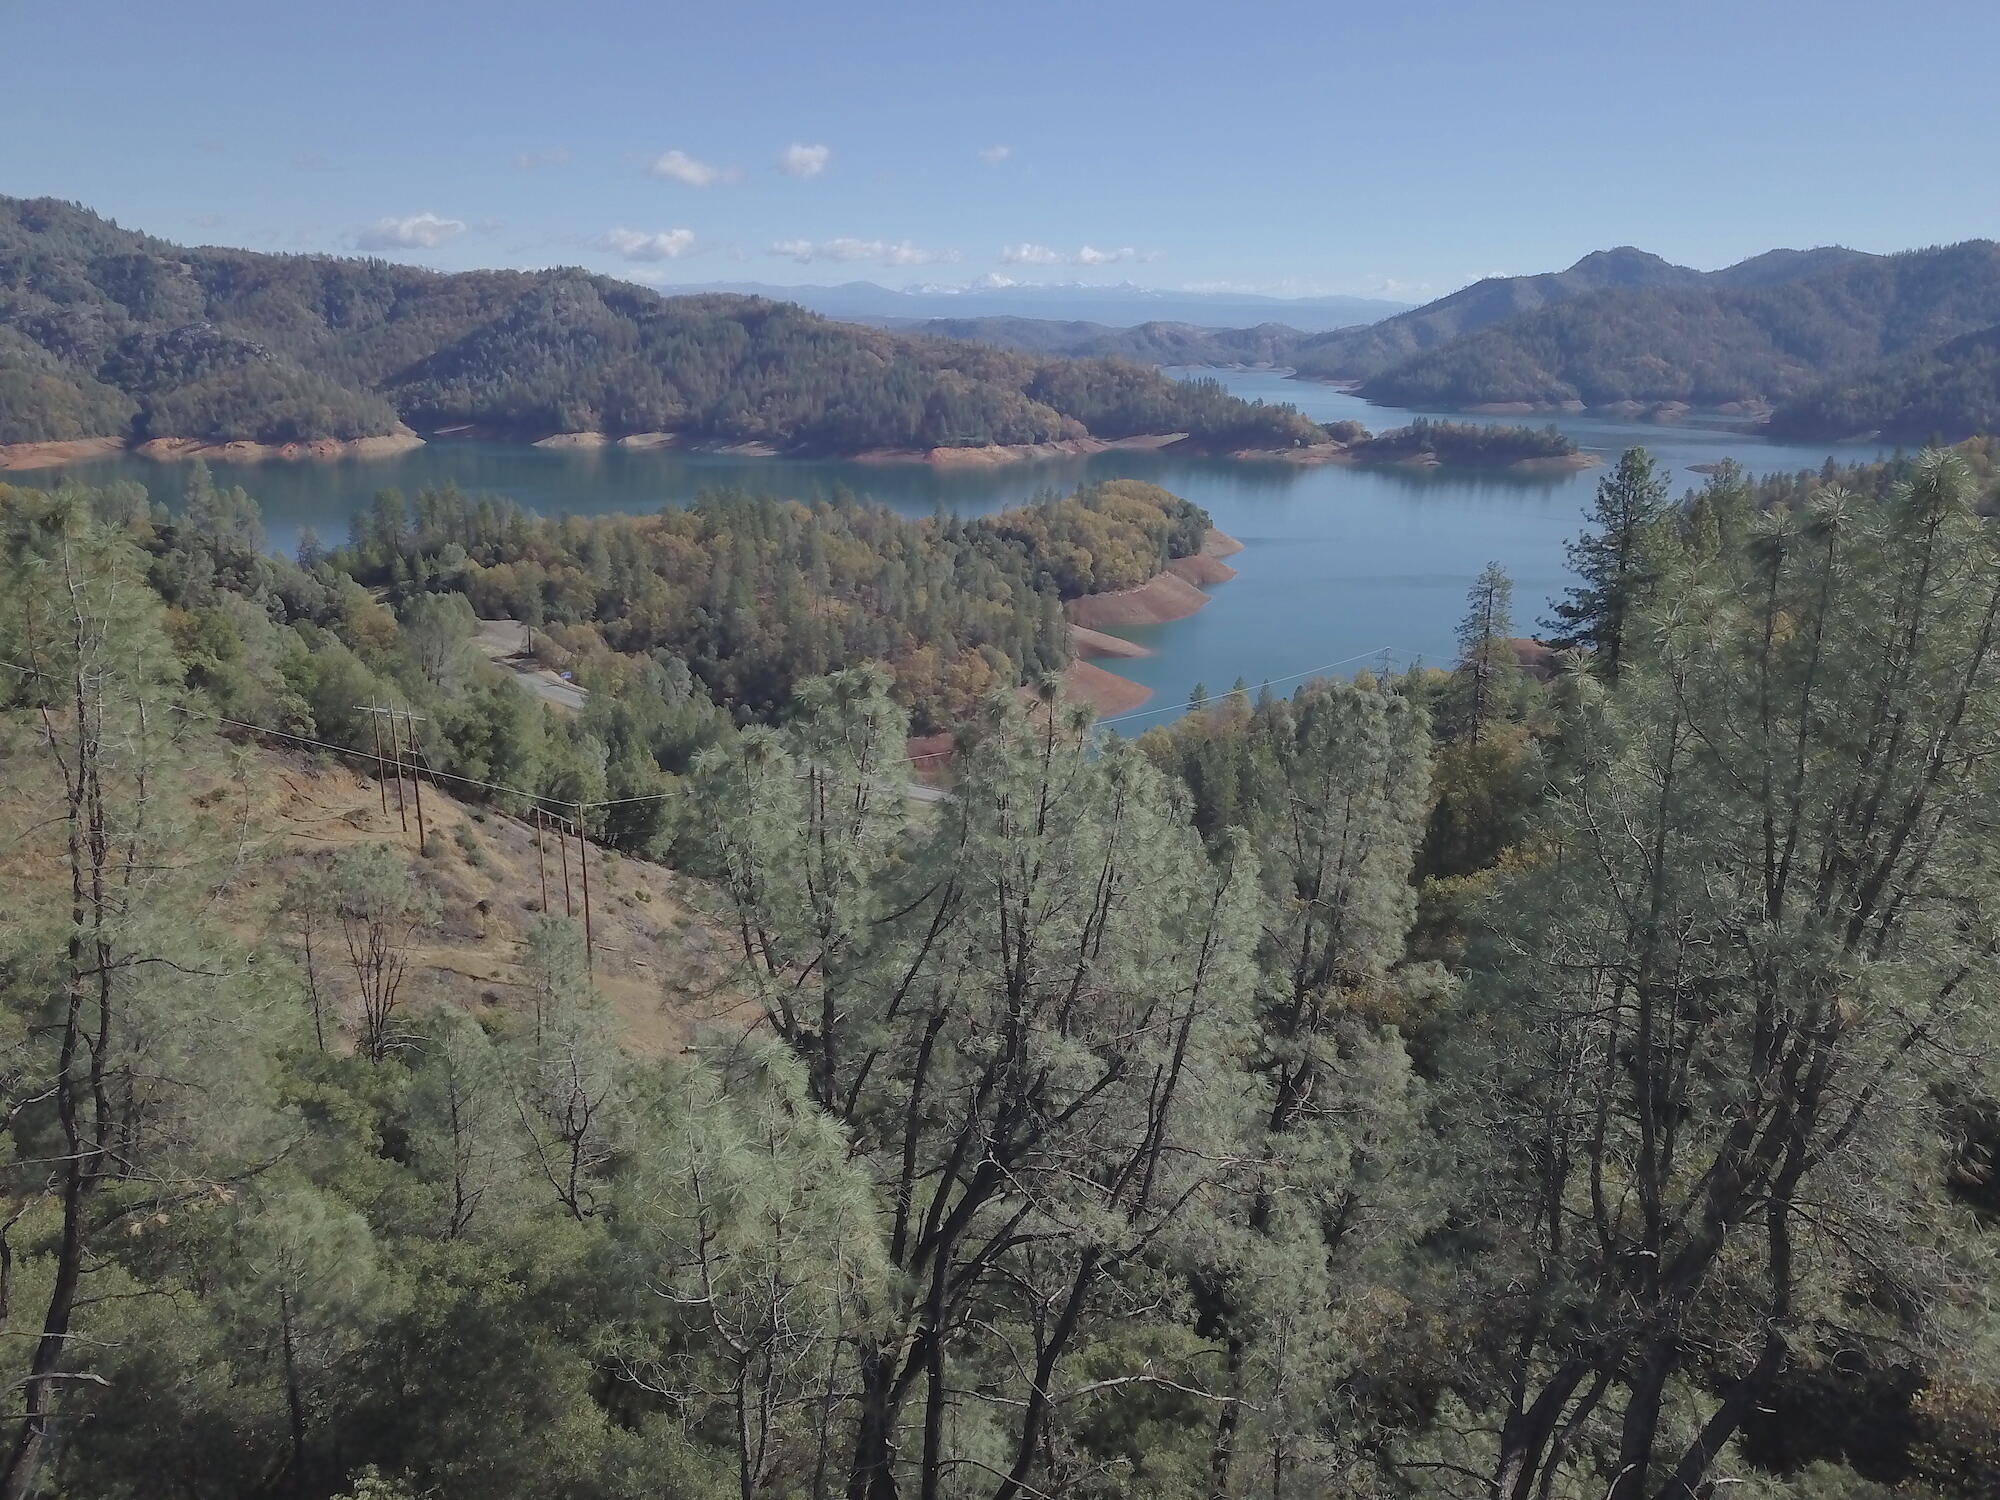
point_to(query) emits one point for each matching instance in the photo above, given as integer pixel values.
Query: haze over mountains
(1121, 306)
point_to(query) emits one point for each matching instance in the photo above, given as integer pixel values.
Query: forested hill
(1714, 342)
(108, 332)
(1360, 353)
(1951, 391)
(1356, 353)
(1157, 343)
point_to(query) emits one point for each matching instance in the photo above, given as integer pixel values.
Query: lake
(1340, 568)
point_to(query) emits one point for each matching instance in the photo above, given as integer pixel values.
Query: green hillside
(1710, 343)
(107, 332)
(1952, 391)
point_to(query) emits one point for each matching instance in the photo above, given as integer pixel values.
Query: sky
(1397, 148)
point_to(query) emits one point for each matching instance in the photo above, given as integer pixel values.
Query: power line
(305, 739)
(382, 763)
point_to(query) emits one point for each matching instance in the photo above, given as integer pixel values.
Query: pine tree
(1487, 661)
(1615, 561)
(1751, 963)
(139, 1038)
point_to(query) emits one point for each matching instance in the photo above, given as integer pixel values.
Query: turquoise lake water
(1340, 567)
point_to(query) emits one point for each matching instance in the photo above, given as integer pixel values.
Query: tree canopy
(1454, 1084)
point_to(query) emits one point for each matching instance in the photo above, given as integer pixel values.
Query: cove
(1341, 567)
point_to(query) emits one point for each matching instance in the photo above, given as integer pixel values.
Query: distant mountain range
(1774, 332)
(1122, 306)
(1158, 343)
(111, 335)
(1358, 354)
(1831, 342)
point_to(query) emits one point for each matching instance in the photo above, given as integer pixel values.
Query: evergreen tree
(1614, 561)
(1488, 664)
(1753, 961)
(1056, 986)
(139, 1042)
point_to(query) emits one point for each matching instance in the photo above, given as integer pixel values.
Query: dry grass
(660, 962)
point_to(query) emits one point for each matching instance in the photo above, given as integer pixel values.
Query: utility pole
(562, 843)
(583, 861)
(542, 856)
(376, 715)
(417, 781)
(381, 782)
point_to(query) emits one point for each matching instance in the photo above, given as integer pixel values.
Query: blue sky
(1394, 148)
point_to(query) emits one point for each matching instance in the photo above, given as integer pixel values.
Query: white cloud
(887, 252)
(678, 166)
(804, 161)
(417, 232)
(1028, 254)
(555, 156)
(639, 245)
(1090, 255)
(994, 155)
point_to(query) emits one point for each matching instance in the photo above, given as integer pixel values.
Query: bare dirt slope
(660, 962)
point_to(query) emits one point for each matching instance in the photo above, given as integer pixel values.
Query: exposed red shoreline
(1170, 595)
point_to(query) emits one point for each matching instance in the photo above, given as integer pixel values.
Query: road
(505, 642)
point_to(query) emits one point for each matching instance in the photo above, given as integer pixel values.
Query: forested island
(1428, 441)
(1471, 1082)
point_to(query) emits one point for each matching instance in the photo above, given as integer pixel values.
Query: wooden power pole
(417, 782)
(583, 862)
(381, 781)
(376, 716)
(542, 855)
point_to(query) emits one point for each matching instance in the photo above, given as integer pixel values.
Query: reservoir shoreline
(1341, 561)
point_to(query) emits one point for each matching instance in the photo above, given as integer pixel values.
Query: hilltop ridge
(106, 332)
